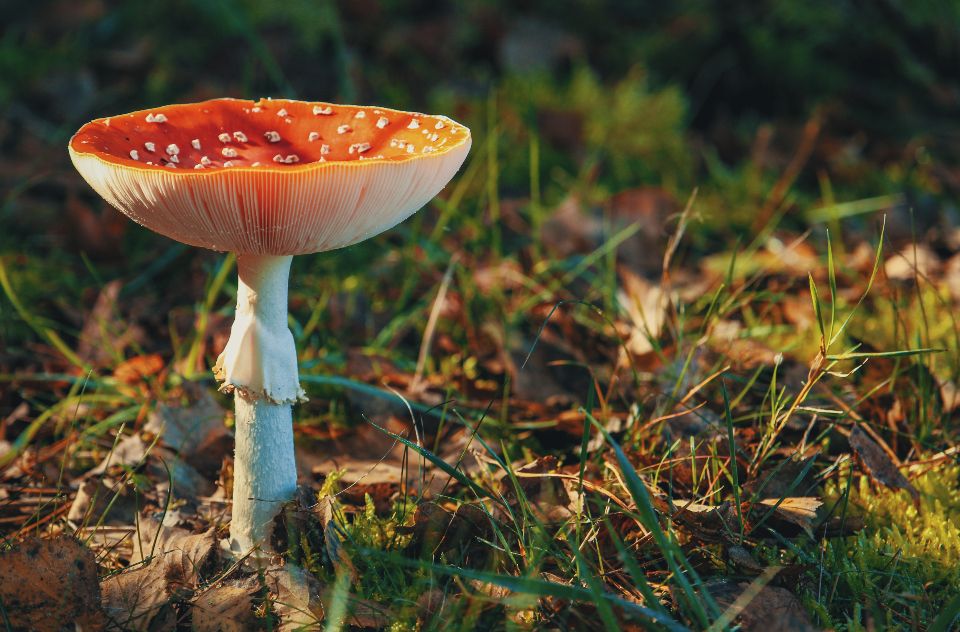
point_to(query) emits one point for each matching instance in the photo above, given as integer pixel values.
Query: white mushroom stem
(259, 364)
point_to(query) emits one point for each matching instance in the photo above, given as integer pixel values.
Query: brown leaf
(878, 464)
(47, 583)
(912, 261)
(101, 499)
(437, 531)
(710, 523)
(296, 597)
(138, 600)
(195, 431)
(369, 456)
(224, 608)
(771, 608)
(800, 510)
(188, 553)
(173, 564)
(741, 558)
(646, 305)
(135, 369)
(104, 332)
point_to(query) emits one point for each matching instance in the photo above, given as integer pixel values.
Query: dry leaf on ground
(44, 583)
(296, 597)
(173, 565)
(771, 608)
(878, 463)
(225, 608)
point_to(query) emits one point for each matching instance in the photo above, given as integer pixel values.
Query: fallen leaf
(138, 600)
(878, 464)
(45, 583)
(455, 535)
(646, 306)
(187, 553)
(195, 431)
(741, 557)
(799, 510)
(296, 597)
(173, 563)
(105, 334)
(771, 608)
(914, 260)
(102, 500)
(135, 369)
(369, 456)
(225, 608)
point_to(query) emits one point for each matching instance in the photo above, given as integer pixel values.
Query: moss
(904, 565)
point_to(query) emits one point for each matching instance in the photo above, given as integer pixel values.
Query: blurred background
(588, 116)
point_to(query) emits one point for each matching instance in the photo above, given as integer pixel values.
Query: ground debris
(760, 609)
(878, 463)
(227, 607)
(45, 584)
(168, 564)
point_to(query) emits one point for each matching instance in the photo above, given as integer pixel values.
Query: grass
(619, 466)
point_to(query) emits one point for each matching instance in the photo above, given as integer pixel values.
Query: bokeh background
(588, 117)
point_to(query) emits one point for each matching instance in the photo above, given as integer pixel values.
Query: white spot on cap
(439, 125)
(240, 137)
(360, 114)
(134, 154)
(195, 143)
(228, 163)
(287, 159)
(154, 118)
(312, 136)
(149, 146)
(256, 164)
(198, 166)
(410, 149)
(172, 149)
(255, 108)
(175, 159)
(343, 129)
(206, 162)
(319, 110)
(170, 164)
(324, 150)
(382, 122)
(272, 136)
(359, 148)
(434, 137)
(224, 137)
(414, 124)
(281, 112)
(229, 152)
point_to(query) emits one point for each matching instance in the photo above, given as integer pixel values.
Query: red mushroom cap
(274, 177)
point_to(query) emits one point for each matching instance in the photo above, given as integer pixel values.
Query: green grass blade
(672, 553)
(462, 478)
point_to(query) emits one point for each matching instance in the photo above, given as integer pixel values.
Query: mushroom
(328, 177)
